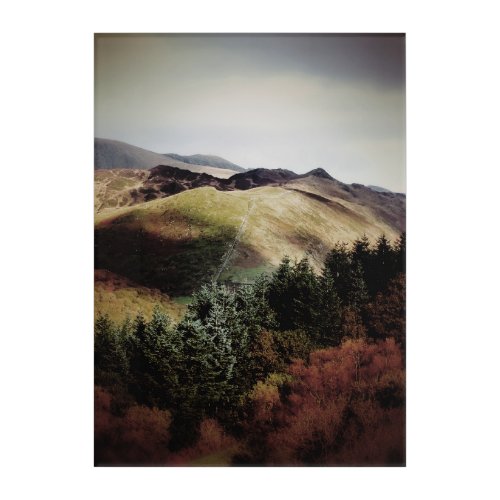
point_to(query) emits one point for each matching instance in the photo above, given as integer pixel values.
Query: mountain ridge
(138, 186)
(111, 154)
(208, 160)
(172, 229)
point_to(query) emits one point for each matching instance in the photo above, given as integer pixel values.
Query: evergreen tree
(110, 359)
(383, 264)
(338, 266)
(328, 327)
(304, 297)
(357, 295)
(137, 359)
(214, 340)
(361, 252)
(278, 293)
(139, 327)
(400, 252)
(253, 306)
(387, 313)
(293, 295)
(154, 360)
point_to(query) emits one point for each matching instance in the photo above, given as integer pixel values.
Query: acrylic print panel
(250, 250)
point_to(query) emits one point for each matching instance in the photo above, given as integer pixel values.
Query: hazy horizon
(276, 101)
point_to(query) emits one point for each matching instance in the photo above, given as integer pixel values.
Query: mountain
(387, 207)
(116, 154)
(171, 229)
(117, 188)
(209, 160)
(109, 154)
(261, 177)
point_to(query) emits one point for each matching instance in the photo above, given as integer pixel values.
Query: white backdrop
(47, 172)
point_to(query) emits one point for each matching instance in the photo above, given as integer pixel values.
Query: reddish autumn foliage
(345, 407)
(213, 440)
(139, 437)
(295, 369)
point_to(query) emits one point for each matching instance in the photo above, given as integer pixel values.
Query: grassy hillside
(389, 208)
(118, 298)
(176, 243)
(288, 222)
(112, 187)
(172, 244)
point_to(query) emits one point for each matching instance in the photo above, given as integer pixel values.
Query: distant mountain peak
(319, 172)
(379, 189)
(209, 160)
(111, 154)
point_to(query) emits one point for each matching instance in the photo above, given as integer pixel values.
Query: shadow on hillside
(174, 266)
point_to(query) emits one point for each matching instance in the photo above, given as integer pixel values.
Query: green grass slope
(174, 244)
(120, 298)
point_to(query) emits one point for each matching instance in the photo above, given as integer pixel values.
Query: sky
(275, 101)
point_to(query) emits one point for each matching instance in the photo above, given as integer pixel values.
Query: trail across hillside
(227, 256)
(239, 234)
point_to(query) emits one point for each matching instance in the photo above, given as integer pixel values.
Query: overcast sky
(290, 101)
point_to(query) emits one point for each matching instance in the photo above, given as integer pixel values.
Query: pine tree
(357, 295)
(387, 313)
(154, 359)
(400, 252)
(328, 327)
(361, 251)
(214, 341)
(110, 359)
(253, 306)
(278, 293)
(338, 266)
(384, 259)
(304, 294)
(363, 254)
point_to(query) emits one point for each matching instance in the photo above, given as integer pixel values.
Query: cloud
(294, 102)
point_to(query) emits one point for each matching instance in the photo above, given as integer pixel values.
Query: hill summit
(109, 154)
(319, 172)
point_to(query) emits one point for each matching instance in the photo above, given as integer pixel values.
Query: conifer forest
(295, 368)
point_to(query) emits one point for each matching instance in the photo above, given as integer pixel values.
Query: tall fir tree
(328, 327)
(155, 351)
(357, 296)
(304, 297)
(110, 357)
(400, 251)
(278, 293)
(214, 340)
(361, 251)
(338, 266)
(383, 264)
